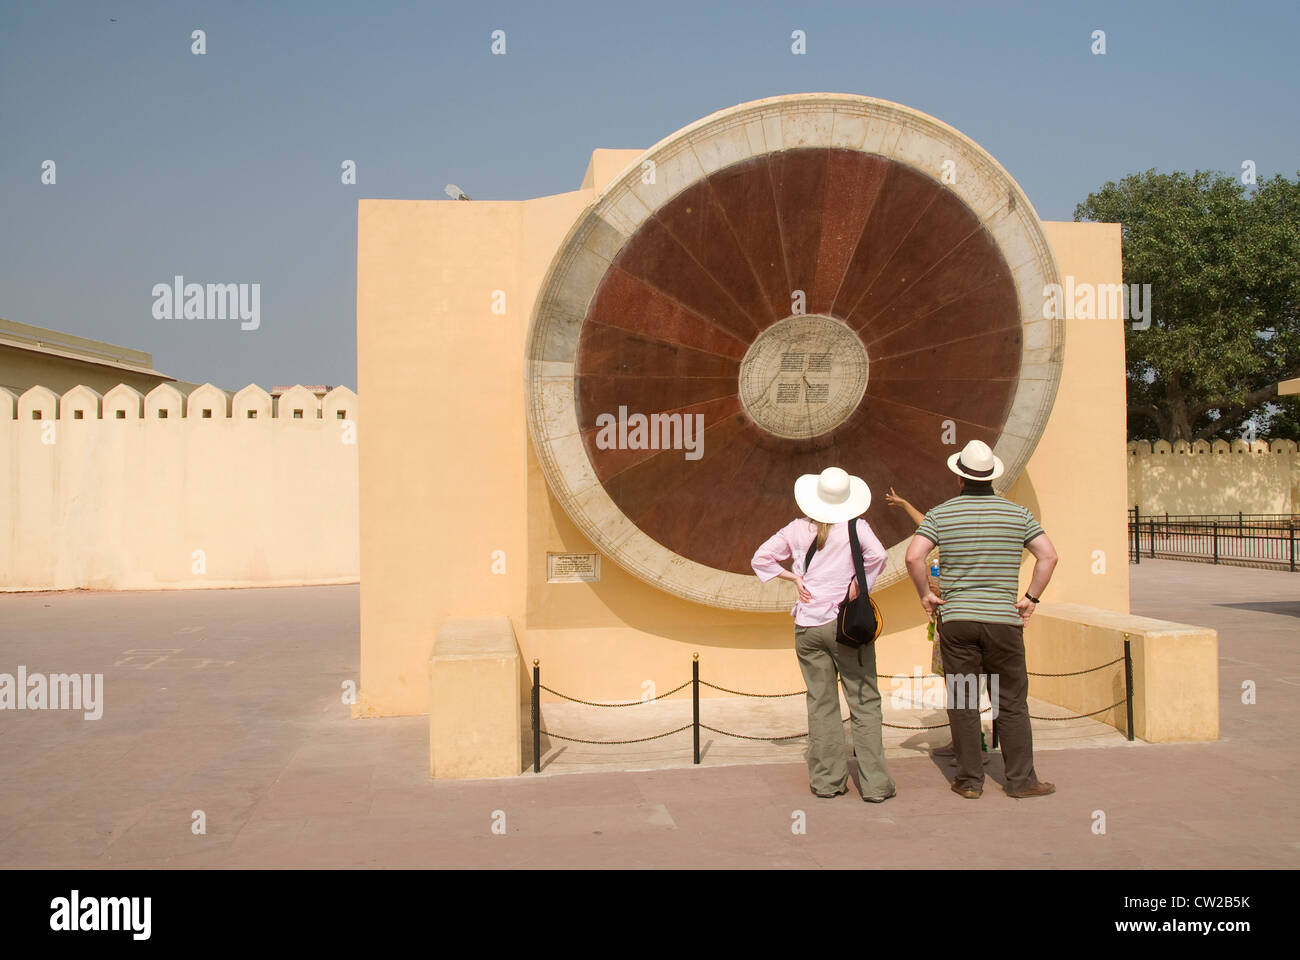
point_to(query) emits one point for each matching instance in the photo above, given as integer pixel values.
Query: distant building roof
(22, 336)
(319, 389)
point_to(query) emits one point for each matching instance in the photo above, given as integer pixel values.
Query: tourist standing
(980, 618)
(830, 501)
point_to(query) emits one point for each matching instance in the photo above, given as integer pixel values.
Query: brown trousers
(972, 648)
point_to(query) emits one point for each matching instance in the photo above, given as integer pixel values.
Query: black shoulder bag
(859, 621)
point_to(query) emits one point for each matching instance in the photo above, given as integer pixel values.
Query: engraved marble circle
(803, 376)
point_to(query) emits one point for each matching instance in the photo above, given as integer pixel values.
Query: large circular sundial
(807, 281)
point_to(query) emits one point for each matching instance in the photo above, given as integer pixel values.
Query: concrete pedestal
(474, 700)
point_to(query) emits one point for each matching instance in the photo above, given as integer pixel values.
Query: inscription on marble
(803, 376)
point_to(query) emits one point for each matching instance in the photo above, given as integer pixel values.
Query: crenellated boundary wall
(1216, 478)
(131, 491)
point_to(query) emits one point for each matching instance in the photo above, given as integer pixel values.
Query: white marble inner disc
(803, 376)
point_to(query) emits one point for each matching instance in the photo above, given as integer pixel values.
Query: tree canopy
(1224, 267)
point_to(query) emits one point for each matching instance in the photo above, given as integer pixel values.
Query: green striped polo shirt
(981, 538)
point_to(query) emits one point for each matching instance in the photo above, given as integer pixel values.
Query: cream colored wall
(123, 504)
(1218, 478)
(448, 474)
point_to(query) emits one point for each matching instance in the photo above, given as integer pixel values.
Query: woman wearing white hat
(830, 501)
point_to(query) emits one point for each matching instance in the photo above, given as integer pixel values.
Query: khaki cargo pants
(821, 659)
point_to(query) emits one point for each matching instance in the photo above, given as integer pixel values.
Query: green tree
(1224, 269)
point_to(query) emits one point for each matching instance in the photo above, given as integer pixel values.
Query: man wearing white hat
(980, 618)
(830, 501)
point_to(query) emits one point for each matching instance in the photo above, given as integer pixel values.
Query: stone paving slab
(229, 702)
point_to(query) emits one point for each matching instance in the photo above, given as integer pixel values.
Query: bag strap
(858, 567)
(812, 548)
(856, 548)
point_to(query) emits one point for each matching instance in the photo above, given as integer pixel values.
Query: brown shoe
(1042, 790)
(944, 751)
(967, 792)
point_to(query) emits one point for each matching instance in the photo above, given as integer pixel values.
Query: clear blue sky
(226, 167)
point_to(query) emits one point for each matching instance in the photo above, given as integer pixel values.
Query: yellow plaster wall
(442, 492)
(448, 474)
(605, 165)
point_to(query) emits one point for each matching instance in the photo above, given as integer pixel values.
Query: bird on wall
(455, 192)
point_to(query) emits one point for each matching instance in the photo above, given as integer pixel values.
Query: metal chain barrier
(797, 693)
(896, 726)
(742, 736)
(630, 703)
(1083, 715)
(657, 736)
(1077, 673)
(695, 683)
(796, 736)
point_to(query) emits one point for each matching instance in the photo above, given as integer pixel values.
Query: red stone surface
(887, 250)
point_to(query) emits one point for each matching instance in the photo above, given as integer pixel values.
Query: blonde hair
(822, 530)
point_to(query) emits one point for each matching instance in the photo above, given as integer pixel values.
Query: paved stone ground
(228, 701)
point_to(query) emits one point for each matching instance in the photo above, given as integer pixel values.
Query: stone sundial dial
(803, 376)
(817, 280)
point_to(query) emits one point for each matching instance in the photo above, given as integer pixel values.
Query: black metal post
(1240, 529)
(995, 733)
(1291, 528)
(1152, 524)
(537, 716)
(695, 701)
(1216, 541)
(1137, 536)
(1128, 684)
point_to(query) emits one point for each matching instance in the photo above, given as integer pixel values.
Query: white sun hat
(832, 496)
(976, 462)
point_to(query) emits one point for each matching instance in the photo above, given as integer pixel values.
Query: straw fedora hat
(832, 496)
(976, 462)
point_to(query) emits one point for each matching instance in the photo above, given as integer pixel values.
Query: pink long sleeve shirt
(831, 572)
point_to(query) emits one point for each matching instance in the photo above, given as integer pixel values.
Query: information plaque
(573, 568)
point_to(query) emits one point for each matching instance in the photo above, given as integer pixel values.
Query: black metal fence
(1239, 539)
